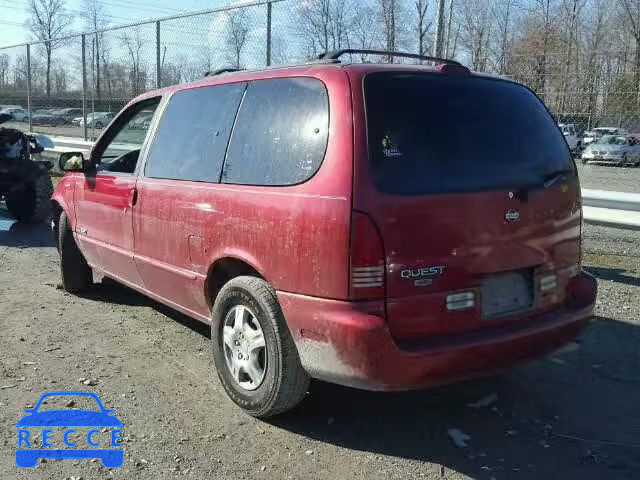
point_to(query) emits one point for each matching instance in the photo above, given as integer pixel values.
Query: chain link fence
(587, 78)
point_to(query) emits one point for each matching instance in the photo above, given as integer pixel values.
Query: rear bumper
(350, 343)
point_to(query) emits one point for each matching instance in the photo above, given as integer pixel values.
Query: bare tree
(49, 22)
(364, 30)
(95, 18)
(237, 35)
(4, 68)
(389, 10)
(476, 31)
(326, 24)
(423, 25)
(137, 73)
(632, 9)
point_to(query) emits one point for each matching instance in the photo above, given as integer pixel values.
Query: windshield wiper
(548, 181)
(553, 178)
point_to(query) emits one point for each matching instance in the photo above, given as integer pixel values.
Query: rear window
(435, 133)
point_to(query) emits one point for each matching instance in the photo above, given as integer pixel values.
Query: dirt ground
(573, 415)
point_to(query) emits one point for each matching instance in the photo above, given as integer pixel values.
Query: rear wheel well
(221, 272)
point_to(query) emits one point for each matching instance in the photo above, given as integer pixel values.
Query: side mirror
(72, 162)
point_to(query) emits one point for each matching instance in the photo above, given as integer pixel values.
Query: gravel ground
(609, 177)
(573, 415)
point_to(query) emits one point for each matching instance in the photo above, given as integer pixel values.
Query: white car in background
(570, 135)
(96, 120)
(622, 151)
(598, 132)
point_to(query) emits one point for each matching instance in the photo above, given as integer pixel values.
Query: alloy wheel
(244, 346)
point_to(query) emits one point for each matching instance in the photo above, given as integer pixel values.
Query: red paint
(163, 238)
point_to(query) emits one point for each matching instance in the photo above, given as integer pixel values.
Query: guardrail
(600, 207)
(611, 209)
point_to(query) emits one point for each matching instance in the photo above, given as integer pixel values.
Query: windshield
(611, 140)
(433, 133)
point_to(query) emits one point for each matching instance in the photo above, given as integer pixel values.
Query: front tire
(248, 324)
(76, 273)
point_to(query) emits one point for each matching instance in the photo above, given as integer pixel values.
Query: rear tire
(584, 161)
(75, 272)
(31, 202)
(284, 382)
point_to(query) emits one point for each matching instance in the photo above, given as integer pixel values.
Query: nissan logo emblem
(512, 216)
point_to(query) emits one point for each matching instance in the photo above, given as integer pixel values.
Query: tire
(284, 382)
(31, 202)
(75, 272)
(99, 125)
(584, 161)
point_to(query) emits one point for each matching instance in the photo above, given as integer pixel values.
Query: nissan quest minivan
(382, 226)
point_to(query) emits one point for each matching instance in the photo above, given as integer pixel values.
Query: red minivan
(387, 227)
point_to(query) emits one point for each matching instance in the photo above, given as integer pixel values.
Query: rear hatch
(475, 197)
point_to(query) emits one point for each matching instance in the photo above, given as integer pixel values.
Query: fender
(64, 195)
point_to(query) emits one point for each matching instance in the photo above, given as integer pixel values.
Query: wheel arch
(224, 269)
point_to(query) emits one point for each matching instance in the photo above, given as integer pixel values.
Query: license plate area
(506, 293)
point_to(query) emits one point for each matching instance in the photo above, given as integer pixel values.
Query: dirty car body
(401, 257)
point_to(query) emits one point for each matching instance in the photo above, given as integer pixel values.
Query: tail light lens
(367, 259)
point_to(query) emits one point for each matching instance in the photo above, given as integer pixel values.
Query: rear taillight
(367, 259)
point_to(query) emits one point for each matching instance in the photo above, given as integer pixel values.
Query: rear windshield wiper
(553, 178)
(548, 181)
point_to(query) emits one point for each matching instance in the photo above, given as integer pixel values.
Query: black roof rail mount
(334, 55)
(220, 71)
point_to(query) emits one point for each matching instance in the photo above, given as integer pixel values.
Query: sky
(14, 14)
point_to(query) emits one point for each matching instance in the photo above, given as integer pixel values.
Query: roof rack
(334, 56)
(220, 71)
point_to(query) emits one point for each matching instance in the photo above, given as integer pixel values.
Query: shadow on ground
(619, 275)
(571, 415)
(23, 235)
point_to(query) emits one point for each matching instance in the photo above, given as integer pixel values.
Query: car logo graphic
(30, 425)
(512, 216)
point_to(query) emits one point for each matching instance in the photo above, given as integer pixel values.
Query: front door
(108, 193)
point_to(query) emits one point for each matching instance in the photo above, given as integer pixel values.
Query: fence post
(158, 64)
(84, 87)
(29, 84)
(269, 8)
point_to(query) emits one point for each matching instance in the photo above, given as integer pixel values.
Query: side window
(119, 148)
(193, 133)
(281, 133)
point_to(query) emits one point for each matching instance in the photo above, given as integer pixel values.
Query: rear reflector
(367, 259)
(460, 301)
(548, 282)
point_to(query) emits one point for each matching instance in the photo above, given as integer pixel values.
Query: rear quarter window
(280, 134)
(436, 133)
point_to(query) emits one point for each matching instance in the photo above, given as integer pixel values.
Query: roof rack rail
(332, 56)
(220, 71)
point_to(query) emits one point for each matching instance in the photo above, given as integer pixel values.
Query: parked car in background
(97, 119)
(294, 211)
(47, 119)
(4, 107)
(622, 151)
(571, 136)
(68, 114)
(17, 114)
(598, 132)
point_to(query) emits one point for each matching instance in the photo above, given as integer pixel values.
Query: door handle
(133, 197)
